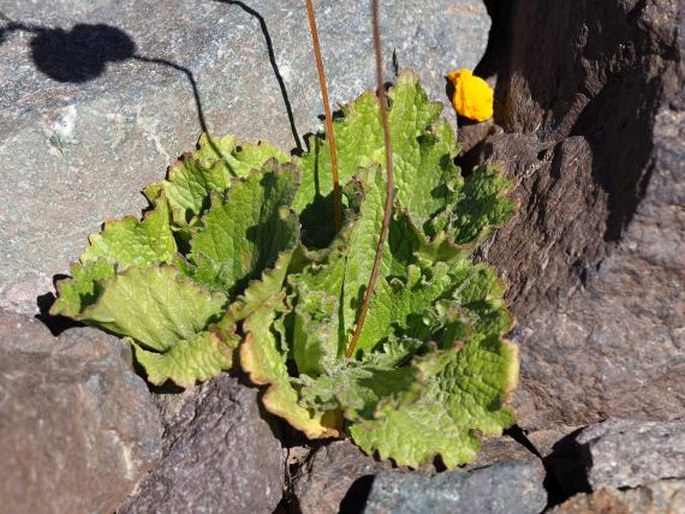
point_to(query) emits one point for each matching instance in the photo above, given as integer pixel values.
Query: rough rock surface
(512, 487)
(78, 428)
(500, 449)
(662, 497)
(219, 456)
(338, 476)
(327, 477)
(626, 453)
(98, 96)
(594, 135)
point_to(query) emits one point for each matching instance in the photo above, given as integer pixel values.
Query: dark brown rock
(499, 449)
(554, 231)
(544, 441)
(662, 497)
(471, 133)
(321, 485)
(77, 427)
(219, 455)
(595, 257)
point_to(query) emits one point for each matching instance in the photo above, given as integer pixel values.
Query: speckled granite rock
(76, 153)
(78, 428)
(627, 453)
(511, 487)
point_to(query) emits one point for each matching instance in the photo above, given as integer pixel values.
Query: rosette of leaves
(235, 263)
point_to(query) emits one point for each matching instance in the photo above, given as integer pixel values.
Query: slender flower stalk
(330, 134)
(383, 102)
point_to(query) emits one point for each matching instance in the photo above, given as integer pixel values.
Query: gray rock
(79, 137)
(594, 136)
(510, 487)
(662, 497)
(627, 453)
(339, 474)
(77, 427)
(219, 456)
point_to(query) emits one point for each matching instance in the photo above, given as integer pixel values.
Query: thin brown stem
(330, 135)
(387, 214)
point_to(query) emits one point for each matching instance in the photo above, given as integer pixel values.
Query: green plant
(232, 254)
(237, 263)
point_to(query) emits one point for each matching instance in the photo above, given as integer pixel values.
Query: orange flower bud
(473, 97)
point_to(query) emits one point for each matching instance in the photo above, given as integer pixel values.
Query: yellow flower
(473, 97)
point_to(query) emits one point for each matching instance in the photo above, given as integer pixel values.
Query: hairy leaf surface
(463, 391)
(423, 148)
(82, 289)
(156, 307)
(121, 244)
(244, 233)
(187, 362)
(262, 356)
(192, 179)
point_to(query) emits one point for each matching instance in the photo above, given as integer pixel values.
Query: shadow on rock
(56, 324)
(274, 65)
(566, 471)
(81, 54)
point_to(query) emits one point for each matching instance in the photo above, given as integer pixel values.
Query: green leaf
(210, 168)
(188, 189)
(356, 389)
(81, 290)
(330, 292)
(129, 242)
(155, 306)
(447, 302)
(244, 234)
(203, 357)
(263, 358)
(239, 159)
(423, 148)
(316, 331)
(426, 250)
(398, 305)
(463, 393)
(428, 185)
(483, 204)
(481, 292)
(270, 284)
(122, 243)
